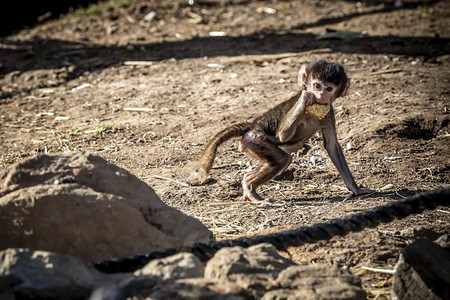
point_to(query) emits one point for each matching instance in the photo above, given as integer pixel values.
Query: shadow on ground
(55, 54)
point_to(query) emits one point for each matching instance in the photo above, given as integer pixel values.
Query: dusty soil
(65, 86)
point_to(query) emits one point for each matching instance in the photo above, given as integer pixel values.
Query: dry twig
(386, 71)
(172, 180)
(378, 270)
(138, 63)
(144, 109)
(228, 203)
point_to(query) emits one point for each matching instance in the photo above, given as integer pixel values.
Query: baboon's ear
(344, 91)
(302, 76)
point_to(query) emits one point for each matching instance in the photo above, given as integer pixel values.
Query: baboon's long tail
(197, 171)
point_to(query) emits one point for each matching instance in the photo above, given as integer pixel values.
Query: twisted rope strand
(282, 240)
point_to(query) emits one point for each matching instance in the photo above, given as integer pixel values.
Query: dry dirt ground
(67, 84)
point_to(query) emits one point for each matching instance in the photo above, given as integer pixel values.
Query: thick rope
(282, 240)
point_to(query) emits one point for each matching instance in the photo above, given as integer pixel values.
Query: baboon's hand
(307, 98)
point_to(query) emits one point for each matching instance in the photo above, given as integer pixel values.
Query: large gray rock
(253, 269)
(178, 266)
(423, 270)
(28, 274)
(258, 259)
(82, 205)
(318, 281)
